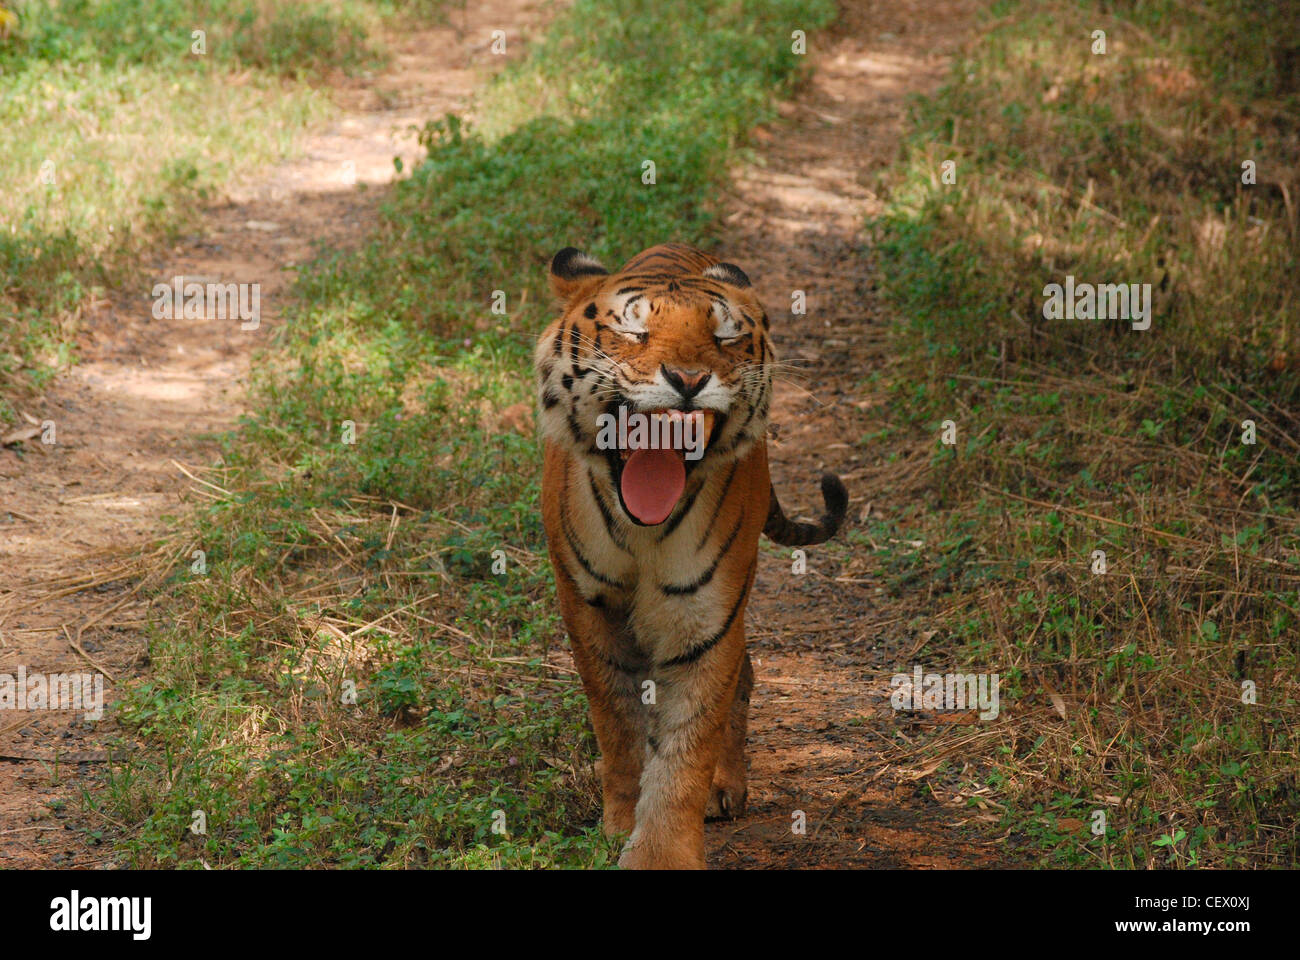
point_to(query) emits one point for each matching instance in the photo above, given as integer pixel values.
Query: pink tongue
(653, 481)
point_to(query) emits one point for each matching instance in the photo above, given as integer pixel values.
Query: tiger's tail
(789, 533)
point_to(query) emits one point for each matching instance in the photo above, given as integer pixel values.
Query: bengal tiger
(654, 549)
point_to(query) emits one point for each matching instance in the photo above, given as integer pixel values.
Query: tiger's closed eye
(726, 329)
(632, 323)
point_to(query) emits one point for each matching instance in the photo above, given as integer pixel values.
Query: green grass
(411, 563)
(270, 35)
(126, 132)
(1085, 435)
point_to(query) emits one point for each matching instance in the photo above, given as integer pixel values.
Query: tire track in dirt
(78, 519)
(823, 738)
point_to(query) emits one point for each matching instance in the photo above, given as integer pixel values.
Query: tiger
(654, 549)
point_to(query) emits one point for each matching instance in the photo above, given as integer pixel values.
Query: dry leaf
(19, 435)
(923, 771)
(1057, 702)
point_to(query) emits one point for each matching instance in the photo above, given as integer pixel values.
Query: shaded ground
(79, 517)
(823, 738)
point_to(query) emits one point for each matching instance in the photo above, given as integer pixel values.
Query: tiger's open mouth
(650, 470)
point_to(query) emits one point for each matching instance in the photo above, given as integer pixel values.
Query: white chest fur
(663, 576)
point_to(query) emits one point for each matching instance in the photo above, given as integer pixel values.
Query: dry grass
(1126, 690)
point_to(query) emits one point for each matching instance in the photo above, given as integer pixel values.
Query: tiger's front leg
(730, 787)
(612, 672)
(687, 722)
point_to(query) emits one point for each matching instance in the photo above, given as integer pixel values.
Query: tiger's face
(656, 375)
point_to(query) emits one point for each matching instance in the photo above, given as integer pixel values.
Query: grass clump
(1132, 688)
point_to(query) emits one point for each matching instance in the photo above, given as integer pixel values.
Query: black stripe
(574, 427)
(571, 537)
(651, 258)
(693, 654)
(674, 590)
(753, 411)
(681, 515)
(572, 540)
(597, 601)
(574, 339)
(645, 279)
(722, 499)
(605, 514)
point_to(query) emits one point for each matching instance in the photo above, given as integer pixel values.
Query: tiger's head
(675, 345)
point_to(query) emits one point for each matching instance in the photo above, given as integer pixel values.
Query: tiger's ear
(728, 273)
(571, 271)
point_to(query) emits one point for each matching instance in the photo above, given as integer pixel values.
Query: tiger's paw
(726, 800)
(674, 856)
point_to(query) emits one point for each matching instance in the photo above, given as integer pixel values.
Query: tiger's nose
(686, 382)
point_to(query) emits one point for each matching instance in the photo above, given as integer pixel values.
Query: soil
(82, 520)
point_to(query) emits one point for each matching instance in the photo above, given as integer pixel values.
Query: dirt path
(823, 738)
(146, 396)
